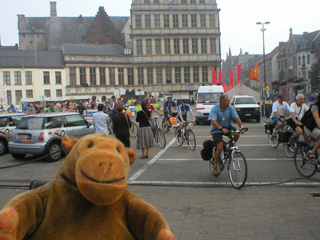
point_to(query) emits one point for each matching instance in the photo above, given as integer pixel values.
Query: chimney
(53, 9)
(81, 19)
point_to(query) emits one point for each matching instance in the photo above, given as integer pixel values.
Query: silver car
(41, 134)
(8, 122)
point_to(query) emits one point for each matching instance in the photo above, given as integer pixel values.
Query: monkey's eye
(90, 145)
(118, 149)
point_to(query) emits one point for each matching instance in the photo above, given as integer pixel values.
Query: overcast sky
(237, 19)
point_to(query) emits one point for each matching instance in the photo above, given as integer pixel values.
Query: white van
(207, 97)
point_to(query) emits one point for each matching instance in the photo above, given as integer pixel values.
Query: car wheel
(3, 147)
(55, 150)
(18, 156)
(258, 119)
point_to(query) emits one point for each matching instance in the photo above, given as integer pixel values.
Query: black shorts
(217, 137)
(293, 125)
(166, 114)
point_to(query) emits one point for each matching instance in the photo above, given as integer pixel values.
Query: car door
(77, 126)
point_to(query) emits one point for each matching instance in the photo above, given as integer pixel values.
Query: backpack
(207, 151)
(308, 119)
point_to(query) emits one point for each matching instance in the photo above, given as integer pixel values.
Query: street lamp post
(264, 54)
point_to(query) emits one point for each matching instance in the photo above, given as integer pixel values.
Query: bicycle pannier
(269, 127)
(207, 151)
(284, 136)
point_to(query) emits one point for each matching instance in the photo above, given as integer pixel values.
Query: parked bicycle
(234, 160)
(186, 135)
(158, 134)
(134, 129)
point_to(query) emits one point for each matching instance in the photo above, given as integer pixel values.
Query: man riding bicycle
(183, 110)
(220, 117)
(167, 110)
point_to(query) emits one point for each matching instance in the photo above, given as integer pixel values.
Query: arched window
(308, 59)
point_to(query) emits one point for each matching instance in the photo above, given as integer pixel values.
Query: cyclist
(167, 109)
(280, 109)
(220, 117)
(299, 108)
(183, 110)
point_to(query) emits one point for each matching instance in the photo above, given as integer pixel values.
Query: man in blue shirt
(12, 108)
(167, 109)
(183, 110)
(221, 116)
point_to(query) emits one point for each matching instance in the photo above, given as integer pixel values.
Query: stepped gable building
(49, 33)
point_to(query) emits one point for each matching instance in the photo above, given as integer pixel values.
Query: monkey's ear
(131, 154)
(67, 143)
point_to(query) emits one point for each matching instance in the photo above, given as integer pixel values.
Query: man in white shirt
(101, 120)
(299, 108)
(280, 109)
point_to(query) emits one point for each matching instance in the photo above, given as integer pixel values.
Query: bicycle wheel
(164, 127)
(179, 137)
(161, 138)
(302, 162)
(273, 141)
(134, 129)
(191, 140)
(237, 169)
(290, 147)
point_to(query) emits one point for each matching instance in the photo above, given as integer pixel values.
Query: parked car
(8, 122)
(41, 134)
(246, 107)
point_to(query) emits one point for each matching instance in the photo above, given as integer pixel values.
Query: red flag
(231, 79)
(239, 74)
(254, 74)
(220, 78)
(214, 76)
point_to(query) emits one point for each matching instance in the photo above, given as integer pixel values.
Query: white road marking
(239, 145)
(252, 136)
(248, 159)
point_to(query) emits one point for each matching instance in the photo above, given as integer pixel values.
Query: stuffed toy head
(99, 164)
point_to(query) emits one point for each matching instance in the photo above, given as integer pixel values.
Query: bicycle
(304, 165)
(134, 129)
(164, 127)
(188, 135)
(234, 160)
(158, 134)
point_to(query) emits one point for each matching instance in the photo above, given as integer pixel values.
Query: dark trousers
(125, 139)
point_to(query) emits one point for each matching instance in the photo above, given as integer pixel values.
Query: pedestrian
(12, 108)
(51, 108)
(101, 121)
(81, 108)
(121, 126)
(145, 137)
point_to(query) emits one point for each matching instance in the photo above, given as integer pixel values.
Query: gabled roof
(30, 59)
(92, 49)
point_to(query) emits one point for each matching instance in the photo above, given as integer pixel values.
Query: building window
(156, 1)
(93, 77)
(205, 74)
(175, 18)
(58, 77)
(83, 76)
(138, 21)
(130, 76)
(102, 72)
(167, 46)
(185, 21)
(112, 76)
(192, 1)
(176, 46)
(17, 78)
(28, 75)
(201, 1)
(29, 93)
(187, 74)
(140, 76)
(158, 46)
(204, 45)
(195, 74)
(149, 46)
(195, 45)
(9, 96)
(72, 76)
(147, 21)
(58, 92)
(193, 20)
(299, 60)
(213, 45)
(203, 21)
(6, 78)
(183, 1)
(46, 77)
(308, 59)
(159, 75)
(146, 1)
(303, 61)
(212, 20)
(150, 75)
(139, 47)
(18, 96)
(121, 76)
(168, 75)
(157, 20)
(166, 20)
(47, 93)
(185, 46)
(178, 74)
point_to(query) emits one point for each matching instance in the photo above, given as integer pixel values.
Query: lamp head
(258, 23)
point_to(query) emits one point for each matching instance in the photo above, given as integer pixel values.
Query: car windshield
(31, 123)
(246, 100)
(208, 97)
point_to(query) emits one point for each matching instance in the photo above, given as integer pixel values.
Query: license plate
(248, 114)
(23, 136)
